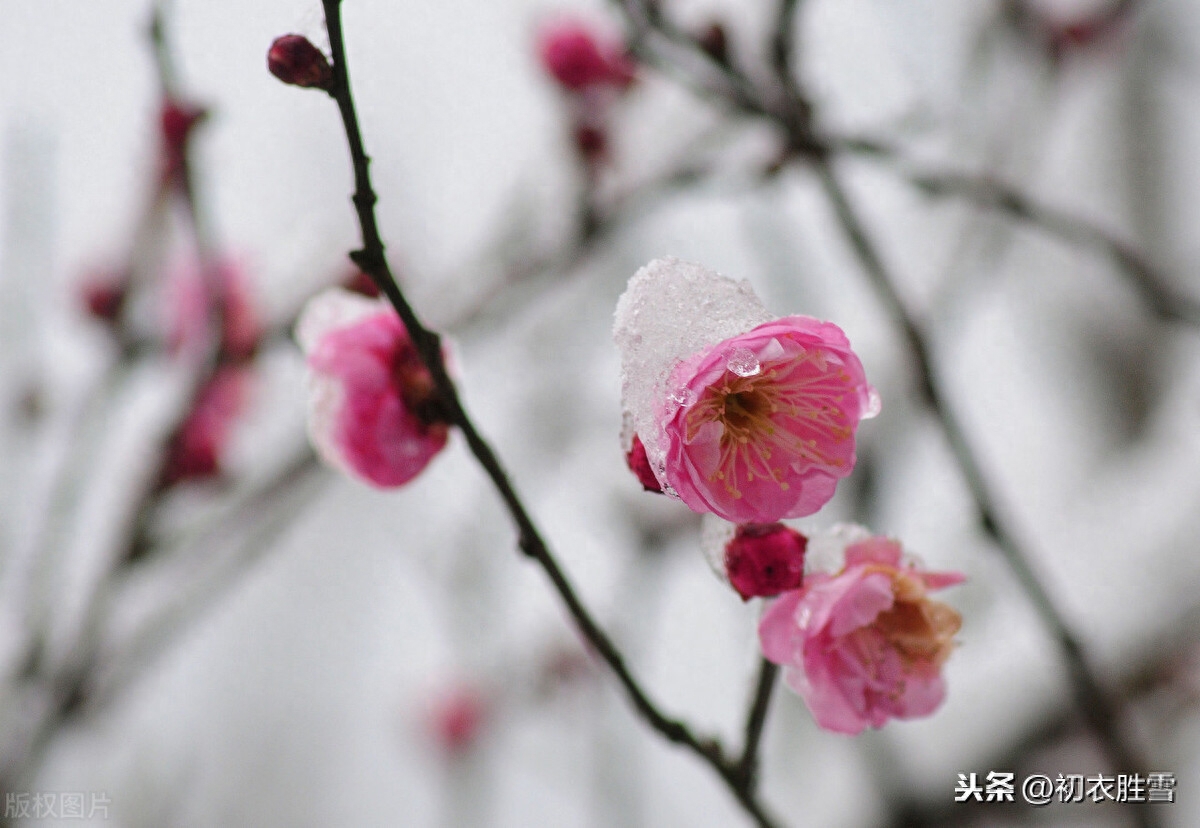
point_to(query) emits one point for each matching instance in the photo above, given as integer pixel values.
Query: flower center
(791, 413)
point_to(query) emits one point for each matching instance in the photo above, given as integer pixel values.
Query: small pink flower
(579, 59)
(746, 418)
(195, 450)
(764, 559)
(373, 408)
(867, 644)
(762, 425)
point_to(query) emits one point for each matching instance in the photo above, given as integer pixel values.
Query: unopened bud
(714, 41)
(639, 464)
(293, 59)
(765, 559)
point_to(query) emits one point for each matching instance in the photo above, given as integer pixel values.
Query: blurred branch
(1095, 703)
(756, 719)
(795, 118)
(373, 261)
(986, 191)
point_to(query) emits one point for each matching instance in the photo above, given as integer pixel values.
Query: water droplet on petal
(743, 362)
(682, 397)
(873, 406)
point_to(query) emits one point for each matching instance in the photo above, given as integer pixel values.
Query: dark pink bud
(362, 284)
(713, 40)
(196, 449)
(592, 142)
(639, 464)
(293, 59)
(177, 119)
(458, 719)
(765, 559)
(103, 296)
(577, 58)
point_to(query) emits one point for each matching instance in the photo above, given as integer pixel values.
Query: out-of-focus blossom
(177, 120)
(196, 449)
(579, 58)
(866, 644)
(103, 294)
(192, 304)
(752, 427)
(764, 559)
(374, 411)
(294, 59)
(457, 718)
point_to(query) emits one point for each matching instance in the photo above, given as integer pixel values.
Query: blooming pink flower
(867, 644)
(195, 450)
(579, 59)
(373, 407)
(764, 559)
(762, 425)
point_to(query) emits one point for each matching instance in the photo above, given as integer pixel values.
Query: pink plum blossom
(765, 421)
(741, 416)
(579, 59)
(198, 445)
(373, 409)
(866, 644)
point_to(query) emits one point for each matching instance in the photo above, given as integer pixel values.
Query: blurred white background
(303, 693)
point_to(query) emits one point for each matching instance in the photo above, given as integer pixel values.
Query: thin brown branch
(372, 259)
(756, 719)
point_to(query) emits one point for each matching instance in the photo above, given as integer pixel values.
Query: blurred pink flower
(458, 717)
(761, 426)
(196, 449)
(764, 559)
(579, 58)
(189, 310)
(373, 409)
(867, 644)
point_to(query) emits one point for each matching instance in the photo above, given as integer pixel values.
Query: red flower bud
(458, 718)
(639, 464)
(765, 559)
(361, 284)
(591, 142)
(714, 41)
(293, 59)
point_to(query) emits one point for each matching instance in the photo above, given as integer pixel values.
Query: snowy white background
(301, 697)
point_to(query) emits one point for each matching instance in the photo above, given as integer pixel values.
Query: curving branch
(372, 259)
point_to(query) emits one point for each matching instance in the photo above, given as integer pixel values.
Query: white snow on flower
(670, 311)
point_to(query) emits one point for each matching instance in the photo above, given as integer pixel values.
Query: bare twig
(756, 719)
(372, 259)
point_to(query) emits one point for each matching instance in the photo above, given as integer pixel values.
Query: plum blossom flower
(748, 418)
(195, 450)
(579, 59)
(373, 407)
(866, 644)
